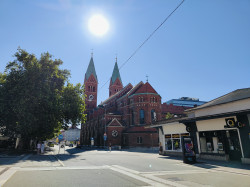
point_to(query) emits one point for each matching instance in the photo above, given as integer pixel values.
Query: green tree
(33, 98)
(169, 116)
(73, 102)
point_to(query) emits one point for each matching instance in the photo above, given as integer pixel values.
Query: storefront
(219, 139)
(173, 142)
(170, 133)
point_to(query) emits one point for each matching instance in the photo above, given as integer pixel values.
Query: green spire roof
(116, 74)
(90, 70)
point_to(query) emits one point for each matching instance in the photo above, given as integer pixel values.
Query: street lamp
(105, 128)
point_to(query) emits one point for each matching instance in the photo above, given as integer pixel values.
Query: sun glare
(98, 25)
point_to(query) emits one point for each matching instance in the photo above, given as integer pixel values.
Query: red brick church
(123, 116)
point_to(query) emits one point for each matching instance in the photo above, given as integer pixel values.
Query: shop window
(139, 140)
(212, 142)
(173, 141)
(168, 142)
(176, 142)
(142, 116)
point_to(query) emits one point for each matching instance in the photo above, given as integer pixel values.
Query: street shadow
(210, 164)
(15, 157)
(75, 151)
(135, 150)
(171, 157)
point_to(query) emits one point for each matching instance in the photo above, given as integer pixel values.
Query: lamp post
(105, 128)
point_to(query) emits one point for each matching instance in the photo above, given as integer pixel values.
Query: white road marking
(126, 169)
(137, 177)
(6, 175)
(150, 178)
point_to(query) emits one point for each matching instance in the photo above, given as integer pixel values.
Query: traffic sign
(60, 137)
(105, 137)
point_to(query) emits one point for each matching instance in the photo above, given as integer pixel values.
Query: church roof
(136, 87)
(116, 74)
(146, 88)
(235, 95)
(90, 70)
(116, 94)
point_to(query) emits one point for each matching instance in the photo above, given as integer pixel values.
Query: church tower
(115, 84)
(91, 82)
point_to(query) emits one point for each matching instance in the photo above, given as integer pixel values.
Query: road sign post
(92, 141)
(104, 138)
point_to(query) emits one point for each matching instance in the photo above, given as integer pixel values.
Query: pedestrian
(109, 147)
(42, 148)
(38, 147)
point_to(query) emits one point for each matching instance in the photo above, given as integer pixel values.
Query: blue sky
(202, 51)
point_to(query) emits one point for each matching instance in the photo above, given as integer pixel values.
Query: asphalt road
(78, 167)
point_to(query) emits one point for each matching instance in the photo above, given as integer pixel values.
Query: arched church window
(153, 115)
(93, 89)
(142, 116)
(133, 117)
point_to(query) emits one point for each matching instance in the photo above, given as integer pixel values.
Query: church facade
(123, 119)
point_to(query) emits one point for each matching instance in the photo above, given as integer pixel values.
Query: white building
(72, 134)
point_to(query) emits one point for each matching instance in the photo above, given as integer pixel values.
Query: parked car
(51, 144)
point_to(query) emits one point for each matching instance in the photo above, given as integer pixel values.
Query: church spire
(91, 86)
(115, 81)
(91, 69)
(116, 73)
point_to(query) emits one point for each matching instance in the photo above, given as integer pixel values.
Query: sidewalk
(28, 159)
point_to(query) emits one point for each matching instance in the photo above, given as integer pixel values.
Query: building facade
(221, 127)
(186, 102)
(121, 119)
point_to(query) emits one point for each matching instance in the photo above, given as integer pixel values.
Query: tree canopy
(34, 101)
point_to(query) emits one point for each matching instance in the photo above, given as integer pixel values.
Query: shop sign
(175, 135)
(185, 134)
(168, 136)
(230, 123)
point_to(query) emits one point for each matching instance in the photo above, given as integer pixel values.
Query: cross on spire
(147, 78)
(92, 53)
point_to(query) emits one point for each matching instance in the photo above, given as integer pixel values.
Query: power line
(143, 43)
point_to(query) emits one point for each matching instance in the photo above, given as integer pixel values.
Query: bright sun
(98, 25)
